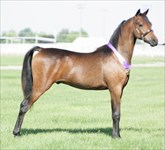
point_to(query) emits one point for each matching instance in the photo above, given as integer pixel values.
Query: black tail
(27, 78)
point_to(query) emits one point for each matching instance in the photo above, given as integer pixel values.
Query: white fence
(36, 39)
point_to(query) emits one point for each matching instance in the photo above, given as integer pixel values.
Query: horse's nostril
(153, 42)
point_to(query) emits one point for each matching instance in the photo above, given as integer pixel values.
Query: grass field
(69, 118)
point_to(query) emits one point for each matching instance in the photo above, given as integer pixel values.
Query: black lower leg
(116, 120)
(23, 110)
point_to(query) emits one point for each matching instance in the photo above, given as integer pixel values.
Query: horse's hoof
(116, 136)
(16, 134)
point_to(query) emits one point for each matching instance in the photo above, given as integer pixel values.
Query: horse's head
(142, 28)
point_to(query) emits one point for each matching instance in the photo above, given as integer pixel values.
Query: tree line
(65, 35)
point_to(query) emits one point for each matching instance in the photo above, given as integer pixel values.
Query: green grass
(11, 60)
(69, 118)
(147, 60)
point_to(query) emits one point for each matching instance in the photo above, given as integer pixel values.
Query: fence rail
(36, 39)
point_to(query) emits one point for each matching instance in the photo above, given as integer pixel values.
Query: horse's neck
(126, 41)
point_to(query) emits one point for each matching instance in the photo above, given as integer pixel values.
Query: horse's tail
(27, 78)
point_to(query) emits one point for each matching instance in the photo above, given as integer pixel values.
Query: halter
(141, 32)
(120, 57)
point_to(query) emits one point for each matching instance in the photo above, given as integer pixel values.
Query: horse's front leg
(115, 104)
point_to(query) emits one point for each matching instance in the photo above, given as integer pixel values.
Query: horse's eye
(140, 25)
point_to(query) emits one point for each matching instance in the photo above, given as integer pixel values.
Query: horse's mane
(113, 40)
(115, 36)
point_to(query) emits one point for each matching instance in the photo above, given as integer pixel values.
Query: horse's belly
(84, 86)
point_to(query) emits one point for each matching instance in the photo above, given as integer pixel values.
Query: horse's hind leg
(22, 111)
(38, 89)
(25, 106)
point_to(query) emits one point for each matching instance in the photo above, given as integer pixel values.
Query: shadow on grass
(107, 131)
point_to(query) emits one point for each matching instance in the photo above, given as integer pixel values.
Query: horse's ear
(145, 13)
(138, 12)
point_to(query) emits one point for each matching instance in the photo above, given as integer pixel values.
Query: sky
(98, 18)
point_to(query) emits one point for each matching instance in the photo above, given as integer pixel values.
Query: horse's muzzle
(153, 42)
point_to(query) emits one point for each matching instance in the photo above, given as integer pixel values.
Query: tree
(27, 32)
(69, 36)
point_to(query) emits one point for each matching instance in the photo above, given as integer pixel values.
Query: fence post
(36, 39)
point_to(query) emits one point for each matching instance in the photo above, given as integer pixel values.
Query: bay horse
(107, 67)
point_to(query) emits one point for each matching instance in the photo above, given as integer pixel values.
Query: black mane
(115, 36)
(113, 40)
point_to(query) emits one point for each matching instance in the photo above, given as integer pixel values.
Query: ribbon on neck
(120, 57)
